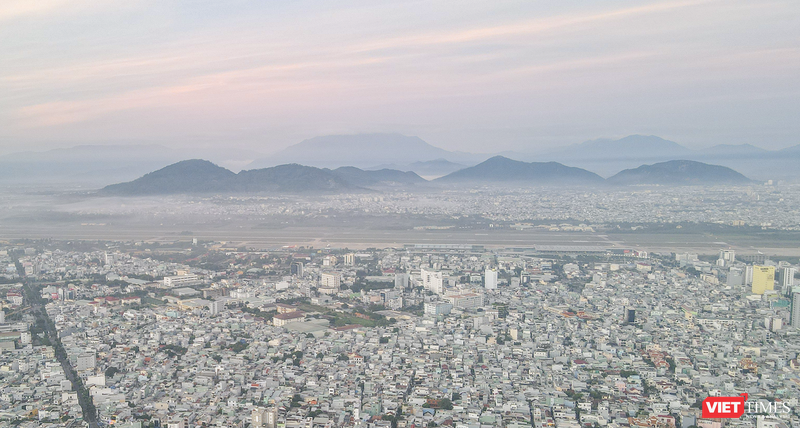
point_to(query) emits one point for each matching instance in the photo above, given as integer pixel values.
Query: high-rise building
(257, 417)
(401, 280)
(432, 281)
(215, 307)
(794, 315)
(350, 259)
(490, 279)
(296, 268)
(787, 278)
(727, 257)
(773, 324)
(331, 281)
(735, 277)
(748, 275)
(763, 279)
(630, 316)
(264, 418)
(272, 417)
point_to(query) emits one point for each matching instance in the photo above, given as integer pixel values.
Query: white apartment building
(330, 280)
(490, 279)
(432, 280)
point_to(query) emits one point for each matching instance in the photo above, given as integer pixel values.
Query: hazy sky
(464, 75)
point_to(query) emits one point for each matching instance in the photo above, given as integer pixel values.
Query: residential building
(490, 279)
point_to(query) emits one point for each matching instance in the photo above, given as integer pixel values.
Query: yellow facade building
(763, 279)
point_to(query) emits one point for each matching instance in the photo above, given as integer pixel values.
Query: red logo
(724, 407)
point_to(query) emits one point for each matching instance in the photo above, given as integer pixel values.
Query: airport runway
(320, 237)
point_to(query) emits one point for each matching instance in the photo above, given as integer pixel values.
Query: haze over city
(416, 214)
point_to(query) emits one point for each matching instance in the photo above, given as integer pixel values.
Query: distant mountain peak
(678, 172)
(362, 151)
(195, 163)
(502, 169)
(383, 176)
(187, 176)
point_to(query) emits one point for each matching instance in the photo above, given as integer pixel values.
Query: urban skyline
(417, 214)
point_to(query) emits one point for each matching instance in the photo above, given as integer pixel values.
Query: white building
(181, 281)
(466, 301)
(787, 278)
(85, 362)
(748, 275)
(773, 324)
(215, 307)
(432, 281)
(490, 279)
(437, 308)
(726, 257)
(330, 281)
(794, 320)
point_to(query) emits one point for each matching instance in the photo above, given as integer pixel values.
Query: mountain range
(606, 157)
(202, 176)
(99, 165)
